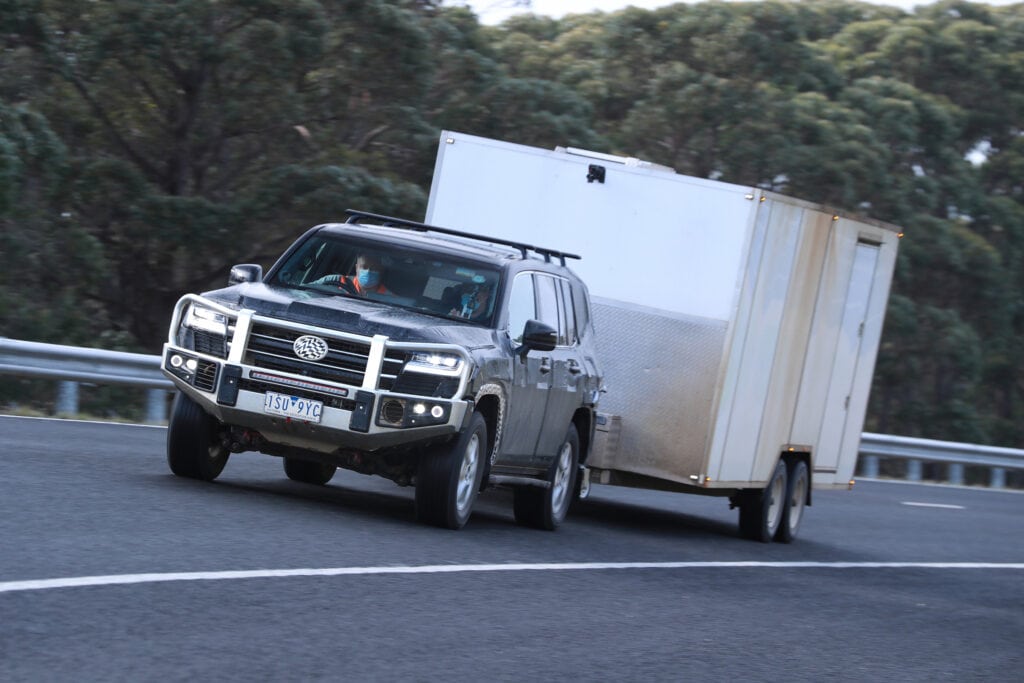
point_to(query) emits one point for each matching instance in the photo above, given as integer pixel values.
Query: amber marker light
(899, 235)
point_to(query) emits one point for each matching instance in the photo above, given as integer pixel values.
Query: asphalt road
(113, 569)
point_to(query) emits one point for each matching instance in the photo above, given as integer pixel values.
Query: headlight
(202, 318)
(435, 363)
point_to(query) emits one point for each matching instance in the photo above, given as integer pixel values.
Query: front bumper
(356, 423)
(232, 385)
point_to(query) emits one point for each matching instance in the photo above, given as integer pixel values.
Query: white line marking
(88, 422)
(126, 579)
(933, 505)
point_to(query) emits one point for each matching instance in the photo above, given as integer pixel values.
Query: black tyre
(761, 511)
(317, 473)
(449, 477)
(546, 508)
(193, 448)
(798, 481)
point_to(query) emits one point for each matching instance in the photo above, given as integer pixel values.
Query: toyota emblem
(309, 347)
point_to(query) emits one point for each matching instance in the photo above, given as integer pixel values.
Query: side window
(568, 312)
(520, 306)
(547, 305)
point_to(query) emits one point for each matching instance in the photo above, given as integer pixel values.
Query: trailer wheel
(546, 508)
(193, 449)
(316, 473)
(448, 477)
(761, 511)
(798, 481)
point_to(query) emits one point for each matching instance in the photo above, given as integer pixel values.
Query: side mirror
(245, 272)
(538, 336)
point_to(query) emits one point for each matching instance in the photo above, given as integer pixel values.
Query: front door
(531, 381)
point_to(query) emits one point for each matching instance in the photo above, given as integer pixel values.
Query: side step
(506, 480)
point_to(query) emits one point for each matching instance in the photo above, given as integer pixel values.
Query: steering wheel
(342, 284)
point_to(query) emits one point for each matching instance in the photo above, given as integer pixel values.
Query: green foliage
(145, 146)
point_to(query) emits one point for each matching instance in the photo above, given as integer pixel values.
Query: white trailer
(737, 328)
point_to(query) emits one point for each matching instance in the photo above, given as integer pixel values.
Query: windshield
(431, 283)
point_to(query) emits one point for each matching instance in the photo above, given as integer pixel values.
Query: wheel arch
(583, 419)
(488, 406)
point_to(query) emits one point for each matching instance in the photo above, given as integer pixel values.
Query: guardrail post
(156, 406)
(956, 473)
(997, 478)
(67, 398)
(869, 467)
(913, 470)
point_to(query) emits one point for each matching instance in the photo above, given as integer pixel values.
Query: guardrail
(916, 452)
(70, 365)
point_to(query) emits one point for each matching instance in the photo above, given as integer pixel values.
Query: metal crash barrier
(72, 365)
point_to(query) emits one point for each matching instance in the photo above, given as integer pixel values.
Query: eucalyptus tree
(184, 119)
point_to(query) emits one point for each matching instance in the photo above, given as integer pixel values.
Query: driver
(367, 279)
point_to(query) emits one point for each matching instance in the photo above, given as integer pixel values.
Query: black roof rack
(356, 216)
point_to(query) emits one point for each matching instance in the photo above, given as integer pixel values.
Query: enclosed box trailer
(737, 328)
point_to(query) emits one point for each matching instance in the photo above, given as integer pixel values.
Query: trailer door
(844, 370)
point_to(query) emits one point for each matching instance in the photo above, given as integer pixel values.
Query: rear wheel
(448, 477)
(308, 472)
(798, 481)
(193, 449)
(761, 511)
(546, 508)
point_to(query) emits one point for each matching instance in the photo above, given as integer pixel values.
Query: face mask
(368, 278)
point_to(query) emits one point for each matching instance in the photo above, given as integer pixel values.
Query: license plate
(300, 408)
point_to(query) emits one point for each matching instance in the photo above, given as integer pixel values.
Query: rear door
(567, 367)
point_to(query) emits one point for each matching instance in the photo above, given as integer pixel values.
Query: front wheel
(316, 473)
(761, 511)
(193, 449)
(546, 508)
(449, 476)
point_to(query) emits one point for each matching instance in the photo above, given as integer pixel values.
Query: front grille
(270, 347)
(211, 344)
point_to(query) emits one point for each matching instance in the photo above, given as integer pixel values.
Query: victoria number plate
(293, 406)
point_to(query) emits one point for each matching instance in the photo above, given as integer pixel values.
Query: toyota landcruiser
(432, 357)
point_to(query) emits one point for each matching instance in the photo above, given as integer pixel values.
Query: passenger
(474, 303)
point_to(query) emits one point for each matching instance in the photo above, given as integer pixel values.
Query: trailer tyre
(761, 511)
(546, 508)
(193, 449)
(316, 473)
(798, 481)
(448, 477)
